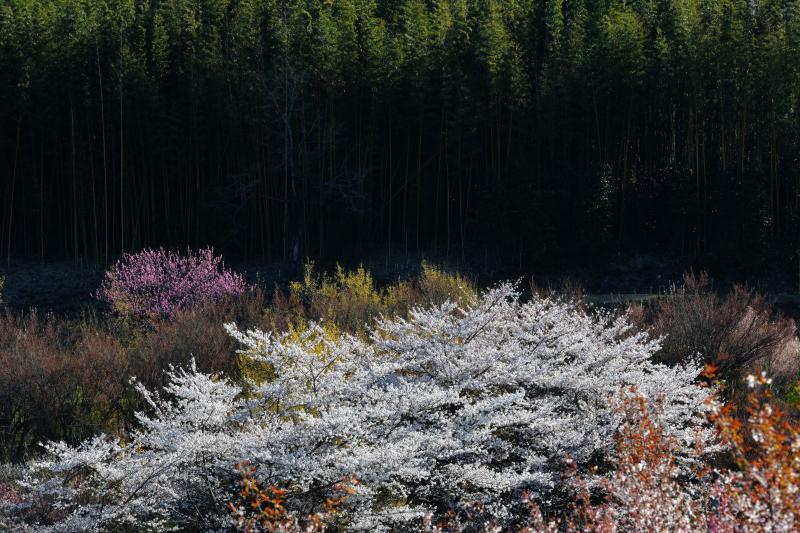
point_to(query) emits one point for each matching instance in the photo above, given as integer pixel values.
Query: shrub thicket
(448, 405)
(425, 403)
(68, 378)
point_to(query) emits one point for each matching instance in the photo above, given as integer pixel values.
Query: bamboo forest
(536, 130)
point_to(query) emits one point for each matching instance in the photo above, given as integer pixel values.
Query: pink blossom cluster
(8, 496)
(157, 283)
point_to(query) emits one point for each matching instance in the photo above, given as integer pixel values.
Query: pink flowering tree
(157, 283)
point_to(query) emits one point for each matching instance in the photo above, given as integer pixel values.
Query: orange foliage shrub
(258, 508)
(763, 492)
(755, 487)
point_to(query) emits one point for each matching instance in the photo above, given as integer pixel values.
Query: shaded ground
(59, 287)
(64, 287)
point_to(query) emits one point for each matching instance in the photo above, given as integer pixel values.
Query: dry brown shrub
(58, 380)
(738, 332)
(197, 333)
(566, 289)
(63, 379)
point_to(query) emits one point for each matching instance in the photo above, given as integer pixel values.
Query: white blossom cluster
(447, 406)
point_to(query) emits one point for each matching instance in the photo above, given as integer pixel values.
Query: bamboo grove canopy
(538, 129)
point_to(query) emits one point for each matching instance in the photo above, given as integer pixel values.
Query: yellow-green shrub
(434, 285)
(351, 300)
(348, 298)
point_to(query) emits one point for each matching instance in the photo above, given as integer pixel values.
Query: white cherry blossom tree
(447, 406)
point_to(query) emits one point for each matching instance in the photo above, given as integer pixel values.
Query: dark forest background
(546, 132)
